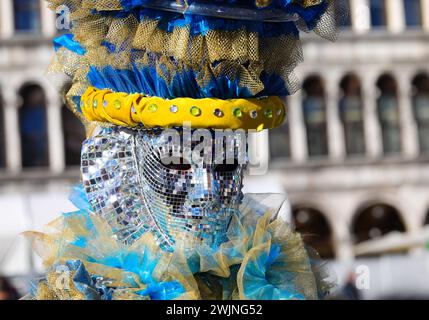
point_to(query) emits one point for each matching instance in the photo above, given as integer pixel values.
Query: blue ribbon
(67, 41)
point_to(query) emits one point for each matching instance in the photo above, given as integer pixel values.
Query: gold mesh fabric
(293, 256)
(239, 54)
(56, 247)
(58, 287)
(217, 276)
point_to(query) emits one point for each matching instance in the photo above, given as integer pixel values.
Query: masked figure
(169, 92)
(139, 181)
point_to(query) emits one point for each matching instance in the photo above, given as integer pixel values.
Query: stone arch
(27, 16)
(315, 229)
(74, 135)
(351, 113)
(413, 13)
(314, 108)
(378, 11)
(33, 125)
(388, 113)
(375, 219)
(420, 101)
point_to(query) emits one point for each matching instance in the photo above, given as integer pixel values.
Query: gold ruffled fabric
(58, 245)
(207, 273)
(239, 54)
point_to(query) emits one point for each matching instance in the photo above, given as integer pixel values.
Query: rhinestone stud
(174, 109)
(253, 114)
(218, 113)
(237, 113)
(152, 108)
(269, 113)
(117, 104)
(195, 111)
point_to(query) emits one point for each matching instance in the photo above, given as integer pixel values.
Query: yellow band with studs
(132, 110)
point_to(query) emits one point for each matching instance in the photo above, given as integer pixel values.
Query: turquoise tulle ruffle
(260, 260)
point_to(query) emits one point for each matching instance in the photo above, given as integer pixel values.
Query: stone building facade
(353, 155)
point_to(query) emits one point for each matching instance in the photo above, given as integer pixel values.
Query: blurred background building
(353, 155)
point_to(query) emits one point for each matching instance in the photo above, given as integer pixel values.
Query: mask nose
(204, 191)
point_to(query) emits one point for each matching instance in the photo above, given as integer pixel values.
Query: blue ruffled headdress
(172, 49)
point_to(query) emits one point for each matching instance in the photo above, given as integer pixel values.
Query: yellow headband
(131, 110)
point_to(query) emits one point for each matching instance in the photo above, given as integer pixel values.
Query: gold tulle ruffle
(241, 54)
(218, 273)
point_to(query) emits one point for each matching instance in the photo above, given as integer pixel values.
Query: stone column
(55, 134)
(6, 19)
(336, 139)
(12, 134)
(360, 15)
(409, 130)
(395, 13)
(47, 17)
(342, 241)
(425, 14)
(298, 133)
(372, 127)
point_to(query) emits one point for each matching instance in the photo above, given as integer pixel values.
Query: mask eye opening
(227, 166)
(176, 163)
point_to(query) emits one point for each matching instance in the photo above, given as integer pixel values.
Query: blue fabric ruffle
(310, 15)
(142, 264)
(260, 259)
(262, 283)
(146, 80)
(67, 41)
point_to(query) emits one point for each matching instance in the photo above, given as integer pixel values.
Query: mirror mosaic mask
(144, 181)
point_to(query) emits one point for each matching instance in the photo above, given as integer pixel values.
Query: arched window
(315, 116)
(375, 221)
(413, 13)
(344, 8)
(421, 109)
(388, 113)
(74, 134)
(315, 230)
(27, 15)
(378, 13)
(351, 113)
(2, 135)
(33, 126)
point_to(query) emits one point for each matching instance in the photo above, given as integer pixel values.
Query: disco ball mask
(143, 181)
